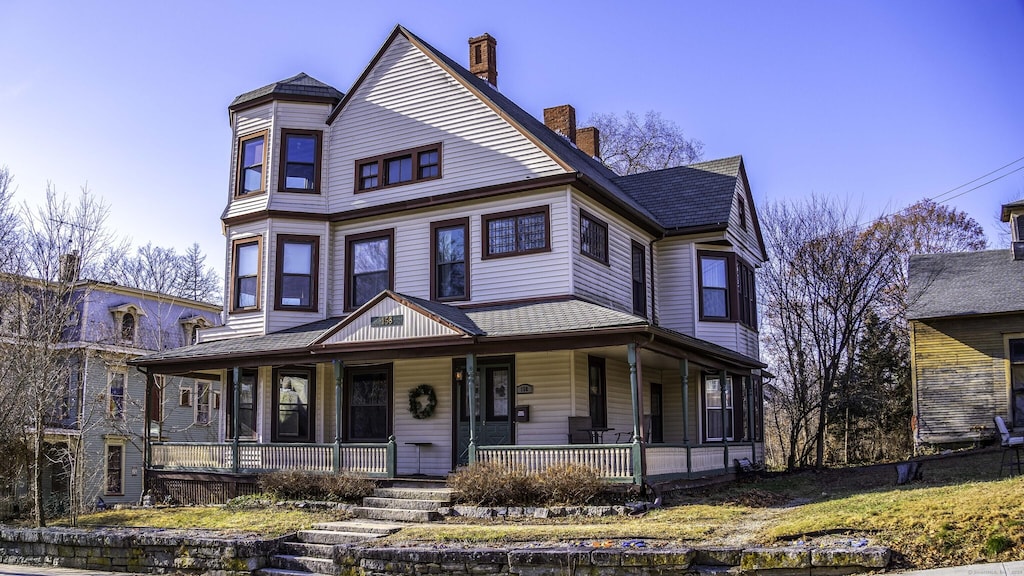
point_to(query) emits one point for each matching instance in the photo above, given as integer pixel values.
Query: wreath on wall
(418, 407)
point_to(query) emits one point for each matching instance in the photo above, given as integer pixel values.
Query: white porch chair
(1009, 443)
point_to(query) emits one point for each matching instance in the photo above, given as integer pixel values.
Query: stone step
(370, 526)
(333, 537)
(403, 503)
(439, 494)
(310, 549)
(300, 563)
(395, 514)
(281, 572)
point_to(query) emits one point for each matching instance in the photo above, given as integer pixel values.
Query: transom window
(246, 274)
(300, 161)
(593, 237)
(368, 263)
(513, 233)
(714, 287)
(251, 158)
(450, 260)
(402, 167)
(298, 263)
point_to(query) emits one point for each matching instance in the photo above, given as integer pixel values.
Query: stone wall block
(774, 558)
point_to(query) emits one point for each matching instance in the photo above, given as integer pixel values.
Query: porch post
(725, 437)
(147, 455)
(684, 378)
(471, 393)
(634, 391)
(339, 379)
(236, 396)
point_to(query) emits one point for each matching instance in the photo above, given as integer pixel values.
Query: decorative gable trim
(390, 317)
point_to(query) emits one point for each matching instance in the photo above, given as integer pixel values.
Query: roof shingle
(964, 284)
(301, 85)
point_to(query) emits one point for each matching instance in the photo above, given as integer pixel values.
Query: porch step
(358, 526)
(395, 514)
(403, 503)
(439, 493)
(303, 563)
(304, 548)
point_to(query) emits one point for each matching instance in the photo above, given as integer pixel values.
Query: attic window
(742, 208)
(397, 168)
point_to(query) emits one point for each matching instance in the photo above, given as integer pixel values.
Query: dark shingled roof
(965, 284)
(548, 317)
(698, 195)
(301, 85)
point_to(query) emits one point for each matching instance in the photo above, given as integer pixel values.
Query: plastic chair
(1009, 443)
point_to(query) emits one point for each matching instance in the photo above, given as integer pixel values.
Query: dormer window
(128, 327)
(190, 328)
(300, 161)
(126, 323)
(252, 156)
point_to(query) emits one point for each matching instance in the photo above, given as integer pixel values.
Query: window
(194, 337)
(293, 405)
(449, 260)
(203, 403)
(246, 274)
(639, 272)
(128, 328)
(402, 167)
(742, 209)
(115, 394)
(185, 396)
(716, 399)
(251, 157)
(115, 470)
(513, 233)
(300, 161)
(598, 391)
(593, 237)
(368, 262)
(714, 287)
(1016, 346)
(747, 296)
(247, 394)
(298, 264)
(1019, 221)
(367, 404)
(155, 400)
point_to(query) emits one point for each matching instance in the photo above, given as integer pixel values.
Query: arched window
(128, 327)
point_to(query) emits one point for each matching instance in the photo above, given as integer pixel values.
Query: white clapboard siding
(436, 459)
(282, 319)
(548, 373)
(745, 241)
(676, 288)
(300, 116)
(414, 325)
(409, 101)
(254, 322)
(247, 122)
(490, 280)
(609, 284)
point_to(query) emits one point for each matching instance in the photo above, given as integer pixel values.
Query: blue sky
(882, 102)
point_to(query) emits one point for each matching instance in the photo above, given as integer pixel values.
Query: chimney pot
(483, 58)
(589, 141)
(562, 119)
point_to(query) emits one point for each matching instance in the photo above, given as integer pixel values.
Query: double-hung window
(718, 398)
(518, 232)
(245, 273)
(114, 470)
(450, 260)
(300, 161)
(252, 156)
(115, 394)
(747, 296)
(298, 263)
(714, 286)
(369, 267)
(598, 391)
(402, 167)
(639, 274)
(593, 237)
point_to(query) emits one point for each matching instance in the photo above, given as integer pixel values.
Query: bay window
(298, 264)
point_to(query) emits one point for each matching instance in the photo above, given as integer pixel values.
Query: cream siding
(247, 122)
(414, 325)
(245, 323)
(676, 285)
(744, 241)
(436, 459)
(301, 116)
(549, 374)
(408, 101)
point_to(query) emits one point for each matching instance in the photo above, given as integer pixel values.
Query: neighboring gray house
(966, 318)
(95, 432)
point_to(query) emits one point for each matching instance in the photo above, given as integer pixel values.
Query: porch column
(634, 391)
(236, 396)
(471, 395)
(339, 379)
(725, 441)
(147, 455)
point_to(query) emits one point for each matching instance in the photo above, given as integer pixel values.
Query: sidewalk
(31, 570)
(1001, 569)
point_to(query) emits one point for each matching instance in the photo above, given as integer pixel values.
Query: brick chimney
(483, 58)
(588, 140)
(562, 119)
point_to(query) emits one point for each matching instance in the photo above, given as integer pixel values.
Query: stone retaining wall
(147, 550)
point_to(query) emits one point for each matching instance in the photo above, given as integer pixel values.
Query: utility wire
(984, 184)
(938, 198)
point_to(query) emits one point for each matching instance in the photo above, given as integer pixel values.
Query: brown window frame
(240, 192)
(597, 403)
(282, 168)
(730, 285)
(730, 416)
(349, 292)
(486, 238)
(602, 228)
(434, 227)
(742, 209)
(235, 244)
(350, 374)
(382, 162)
(746, 294)
(310, 373)
(639, 286)
(314, 272)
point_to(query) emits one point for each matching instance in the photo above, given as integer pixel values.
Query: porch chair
(1008, 443)
(579, 430)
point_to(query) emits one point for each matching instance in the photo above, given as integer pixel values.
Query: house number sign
(382, 321)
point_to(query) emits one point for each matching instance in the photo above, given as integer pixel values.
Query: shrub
(569, 484)
(302, 485)
(490, 484)
(346, 487)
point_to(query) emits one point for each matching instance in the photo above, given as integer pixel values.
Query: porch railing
(368, 459)
(683, 460)
(614, 462)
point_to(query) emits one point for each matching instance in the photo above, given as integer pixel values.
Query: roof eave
(266, 98)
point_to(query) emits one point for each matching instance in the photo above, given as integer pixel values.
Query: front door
(367, 404)
(494, 401)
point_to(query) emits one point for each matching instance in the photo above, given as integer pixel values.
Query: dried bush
(569, 484)
(346, 487)
(490, 484)
(303, 485)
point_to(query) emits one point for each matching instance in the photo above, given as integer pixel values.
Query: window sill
(238, 196)
(299, 191)
(513, 254)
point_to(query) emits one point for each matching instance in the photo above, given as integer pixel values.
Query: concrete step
(370, 526)
(300, 563)
(395, 514)
(310, 549)
(439, 494)
(333, 537)
(402, 503)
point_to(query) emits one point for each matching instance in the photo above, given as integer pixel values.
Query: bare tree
(632, 144)
(196, 280)
(163, 270)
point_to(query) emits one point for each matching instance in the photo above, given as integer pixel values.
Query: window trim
(121, 444)
(601, 364)
(282, 176)
(746, 299)
(350, 375)
(730, 284)
(603, 227)
(382, 160)
(314, 268)
(185, 396)
(434, 227)
(230, 406)
(485, 219)
(239, 191)
(730, 416)
(350, 239)
(310, 373)
(201, 386)
(634, 246)
(235, 244)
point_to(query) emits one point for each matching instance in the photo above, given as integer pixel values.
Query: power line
(938, 198)
(981, 185)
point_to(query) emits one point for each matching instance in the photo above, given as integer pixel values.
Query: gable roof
(965, 284)
(301, 87)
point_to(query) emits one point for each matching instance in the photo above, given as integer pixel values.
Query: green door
(494, 405)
